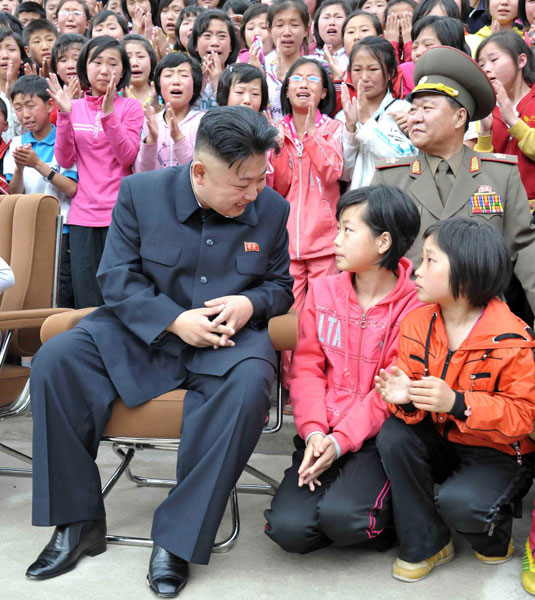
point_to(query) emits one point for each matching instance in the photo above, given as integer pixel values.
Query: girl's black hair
(238, 7)
(255, 10)
(92, 49)
(61, 45)
(189, 10)
(240, 73)
(153, 10)
(387, 209)
(373, 18)
(392, 3)
(103, 16)
(143, 41)
(202, 22)
(84, 6)
(522, 13)
(164, 4)
(449, 31)
(426, 6)
(174, 60)
(5, 33)
(8, 21)
(514, 45)
(382, 51)
(343, 3)
(327, 104)
(480, 265)
(280, 5)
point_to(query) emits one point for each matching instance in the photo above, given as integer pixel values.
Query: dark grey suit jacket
(161, 259)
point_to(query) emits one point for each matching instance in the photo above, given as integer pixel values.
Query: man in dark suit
(195, 264)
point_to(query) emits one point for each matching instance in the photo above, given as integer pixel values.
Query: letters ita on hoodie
(340, 350)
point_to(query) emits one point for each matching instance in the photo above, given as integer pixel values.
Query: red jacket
(339, 352)
(306, 173)
(494, 368)
(505, 143)
(397, 89)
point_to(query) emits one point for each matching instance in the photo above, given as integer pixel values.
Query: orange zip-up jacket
(493, 371)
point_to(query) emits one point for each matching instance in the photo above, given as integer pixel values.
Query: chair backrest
(28, 243)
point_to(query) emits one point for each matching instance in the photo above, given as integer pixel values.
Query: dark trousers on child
(65, 295)
(86, 247)
(477, 488)
(351, 507)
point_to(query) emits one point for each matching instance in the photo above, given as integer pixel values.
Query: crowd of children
(91, 92)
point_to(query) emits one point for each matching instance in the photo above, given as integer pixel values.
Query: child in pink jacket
(306, 172)
(169, 136)
(336, 490)
(101, 133)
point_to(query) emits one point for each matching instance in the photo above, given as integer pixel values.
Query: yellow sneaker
(497, 560)
(406, 571)
(528, 570)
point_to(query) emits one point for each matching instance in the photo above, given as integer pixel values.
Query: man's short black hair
(387, 209)
(170, 61)
(234, 133)
(31, 85)
(480, 266)
(38, 25)
(93, 48)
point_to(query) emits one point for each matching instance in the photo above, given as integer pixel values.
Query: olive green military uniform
(477, 185)
(484, 186)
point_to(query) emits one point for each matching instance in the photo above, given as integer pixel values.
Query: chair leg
(12, 471)
(254, 488)
(126, 458)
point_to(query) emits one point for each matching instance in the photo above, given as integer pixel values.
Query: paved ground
(254, 568)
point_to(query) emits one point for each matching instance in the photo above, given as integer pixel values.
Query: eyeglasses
(74, 13)
(309, 78)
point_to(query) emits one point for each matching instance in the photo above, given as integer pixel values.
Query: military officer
(449, 179)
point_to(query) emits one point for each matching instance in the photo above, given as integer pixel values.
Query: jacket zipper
(447, 363)
(299, 147)
(362, 325)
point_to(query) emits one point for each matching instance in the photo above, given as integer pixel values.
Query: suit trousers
(351, 507)
(72, 397)
(478, 485)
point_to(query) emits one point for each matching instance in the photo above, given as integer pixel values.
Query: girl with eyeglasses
(306, 173)
(73, 16)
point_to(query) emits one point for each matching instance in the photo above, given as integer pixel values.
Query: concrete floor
(254, 568)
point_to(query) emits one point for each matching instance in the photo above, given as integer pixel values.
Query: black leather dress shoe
(68, 544)
(168, 574)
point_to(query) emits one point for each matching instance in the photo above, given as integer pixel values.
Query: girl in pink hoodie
(101, 133)
(336, 490)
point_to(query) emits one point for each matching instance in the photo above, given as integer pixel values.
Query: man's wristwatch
(50, 176)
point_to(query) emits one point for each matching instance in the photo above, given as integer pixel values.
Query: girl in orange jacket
(463, 399)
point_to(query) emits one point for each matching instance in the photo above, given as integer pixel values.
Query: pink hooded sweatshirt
(339, 352)
(306, 173)
(104, 148)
